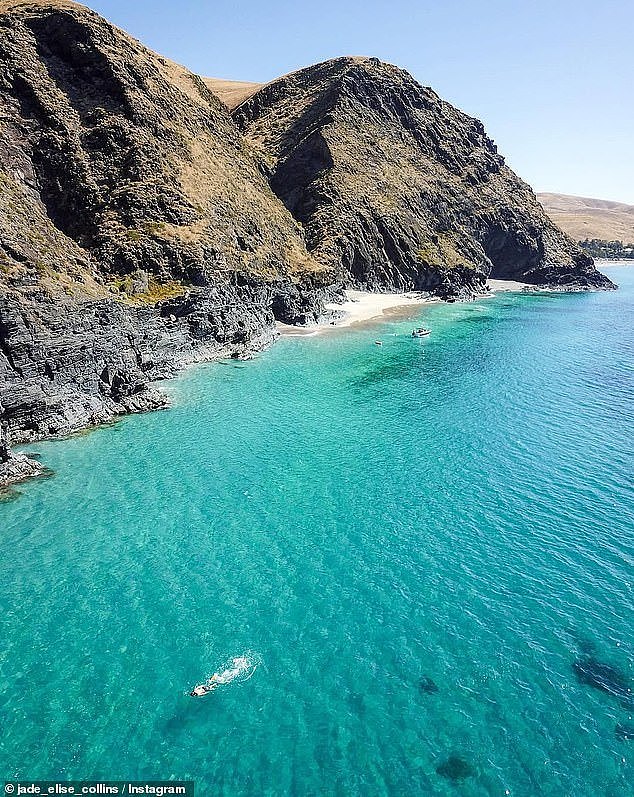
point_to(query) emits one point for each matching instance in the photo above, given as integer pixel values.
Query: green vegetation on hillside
(609, 250)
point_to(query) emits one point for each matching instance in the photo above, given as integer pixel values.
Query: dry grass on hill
(231, 92)
(9, 5)
(584, 217)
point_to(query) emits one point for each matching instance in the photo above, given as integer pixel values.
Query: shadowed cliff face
(140, 230)
(137, 232)
(131, 157)
(397, 188)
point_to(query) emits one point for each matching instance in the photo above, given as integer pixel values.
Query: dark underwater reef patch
(455, 768)
(427, 685)
(9, 494)
(604, 677)
(475, 319)
(399, 365)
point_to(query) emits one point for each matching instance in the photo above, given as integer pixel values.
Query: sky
(552, 80)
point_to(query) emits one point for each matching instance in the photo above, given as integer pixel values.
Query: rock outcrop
(15, 467)
(137, 232)
(142, 229)
(398, 189)
(129, 157)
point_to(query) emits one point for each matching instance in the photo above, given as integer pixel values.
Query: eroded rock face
(14, 467)
(141, 231)
(64, 365)
(137, 233)
(398, 189)
(130, 156)
(17, 468)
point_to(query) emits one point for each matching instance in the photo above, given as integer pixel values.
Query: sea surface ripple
(416, 542)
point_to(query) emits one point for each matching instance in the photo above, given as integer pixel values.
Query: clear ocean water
(356, 519)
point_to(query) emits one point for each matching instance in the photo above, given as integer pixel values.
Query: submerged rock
(604, 677)
(455, 768)
(427, 685)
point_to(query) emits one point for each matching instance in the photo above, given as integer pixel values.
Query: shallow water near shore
(365, 522)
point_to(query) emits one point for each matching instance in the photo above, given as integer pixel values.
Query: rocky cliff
(142, 227)
(129, 157)
(137, 232)
(396, 188)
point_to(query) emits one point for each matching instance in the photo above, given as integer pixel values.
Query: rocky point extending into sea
(144, 226)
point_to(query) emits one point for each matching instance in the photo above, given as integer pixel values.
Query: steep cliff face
(397, 188)
(131, 157)
(137, 232)
(140, 230)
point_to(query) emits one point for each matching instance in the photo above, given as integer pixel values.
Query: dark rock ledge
(15, 467)
(66, 366)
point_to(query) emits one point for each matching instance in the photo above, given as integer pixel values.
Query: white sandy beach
(364, 306)
(505, 286)
(361, 306)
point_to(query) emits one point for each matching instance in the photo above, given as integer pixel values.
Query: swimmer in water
(217, 679)
(203, 689)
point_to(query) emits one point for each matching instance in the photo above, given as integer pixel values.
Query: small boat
(421, 332)
(378, 342)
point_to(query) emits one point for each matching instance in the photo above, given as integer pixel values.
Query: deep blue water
(356, 518)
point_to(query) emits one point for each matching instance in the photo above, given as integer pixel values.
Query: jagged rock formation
(137, 232)
(141, 231)
(129, 156)
(15, 467)
(397, 188)
(70, 375)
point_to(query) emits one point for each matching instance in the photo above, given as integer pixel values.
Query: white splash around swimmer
(238, 668)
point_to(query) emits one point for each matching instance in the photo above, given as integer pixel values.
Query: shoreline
(508, 286)
(611, 263)
(366, 307)
(360, 309)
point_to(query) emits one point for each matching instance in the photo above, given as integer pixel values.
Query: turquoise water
(357, 518)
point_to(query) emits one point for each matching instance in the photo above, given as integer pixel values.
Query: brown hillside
(231, 92)
(125, 159)
(584, 217)
(396, 187)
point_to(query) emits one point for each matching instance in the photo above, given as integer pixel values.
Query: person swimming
(202, 689)
(240, 665)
